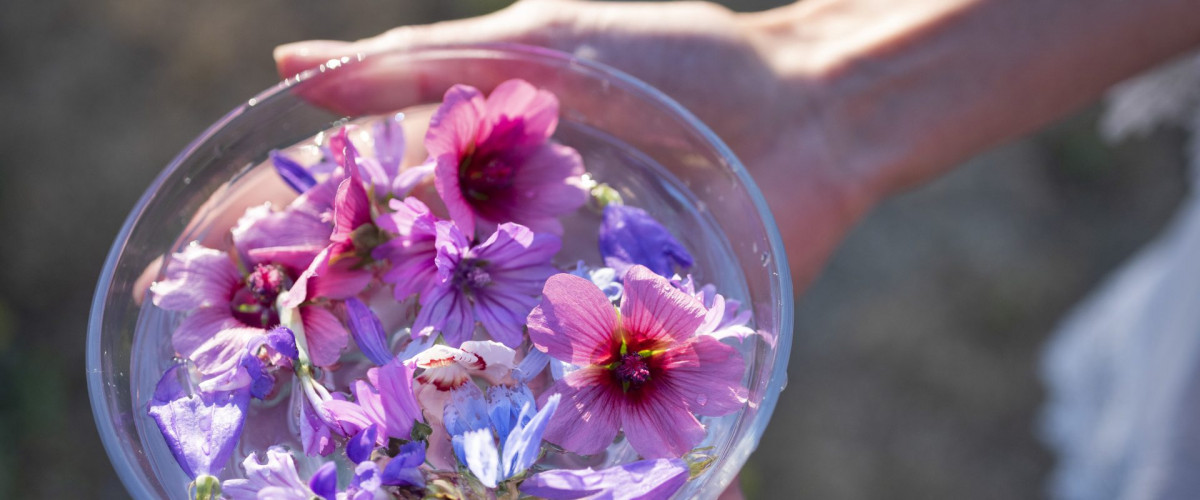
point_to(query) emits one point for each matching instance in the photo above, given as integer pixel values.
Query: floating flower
(725, 318)
(403, 469)
(228, 309)
(644, 370)
(448, 368)
(495, 163)
(606, 278)
(384, 399)
(630, 236)
(493, 282)
(645, 480)
(511, 416)
(200, 428)
(368, 332)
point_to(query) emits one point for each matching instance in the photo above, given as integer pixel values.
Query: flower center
(632, 370)
(484, 177)
(254, 303)
(471, 274)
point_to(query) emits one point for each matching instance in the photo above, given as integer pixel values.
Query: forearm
(905, 90)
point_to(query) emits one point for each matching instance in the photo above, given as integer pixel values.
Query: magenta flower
(494, 282)
(495, 163)
(645, 370)
(228, 309)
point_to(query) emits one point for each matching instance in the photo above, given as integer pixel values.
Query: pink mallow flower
(494, 282)
(494, 162)
(228, 309)
(644, 370)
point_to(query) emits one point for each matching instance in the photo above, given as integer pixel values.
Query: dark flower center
(471, 274)
(254, 303)
(632, 370)
(482, 178)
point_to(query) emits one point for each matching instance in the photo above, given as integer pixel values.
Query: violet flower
(644, 480)
(630, 236)
(293, 174)
(403, 469)
(510, 416)
(643, 370)
(494, 160)
(384, 399)
(725, 318)
(493, 282)
(264, 356)
(200, 428)
(278, 479)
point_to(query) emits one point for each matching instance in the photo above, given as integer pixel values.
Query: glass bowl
(707, 186)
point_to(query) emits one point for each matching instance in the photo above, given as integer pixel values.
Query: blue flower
(368, 332)
(630, 236)
(509, 414)
(201, 428)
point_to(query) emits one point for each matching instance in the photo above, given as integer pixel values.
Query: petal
(264, 227)
(524, 444)
(324, 481)
(657, 428)
(589, 415)
(199, 328)
(351, 209)
(360, 446)
(654, 312)
(296, 176)
(196, 277)
(448, 311)
(705, 374)
(400, 409)
(517, 100)
(454, 124)
(503, 316)
(631, 236)
(368, 332)
(200, 429)
(482, 459)
(293, 258)
(279, 473)
(325, 335)
(642, 480)
(411, 177)
(546, 186)
(504, 408)
(403, 469)
(388, 136)
(575, 321)
(445, 180)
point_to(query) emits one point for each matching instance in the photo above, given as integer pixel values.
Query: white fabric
(1123, 371)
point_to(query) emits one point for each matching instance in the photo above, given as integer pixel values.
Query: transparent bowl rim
(117, 455)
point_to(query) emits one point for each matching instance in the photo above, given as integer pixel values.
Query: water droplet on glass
(783, 385)
(766, 259)
(702, 399)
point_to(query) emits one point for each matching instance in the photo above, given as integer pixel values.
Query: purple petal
(706, 374)
(360, 446)
(445, 179)
(315, 436)
(283, 340)
(654, 311)
(410, 177)
(575, 321)
(390, 145)
(403, 469)
(196, 277)
(195, 338)
(395, 383)
(296, 176)
(324, 481)
(262, 227)
(278, 476)
(518, 101)
(454, 125)
(657, 427)
(368, 332)
(445, 309)
(643, 480)
(325, 335)
(546, 186)
(503, 315)
(200, 429)
(351, 209)
(630, 236)
(588, 418)
(367, 480)
(531, 365)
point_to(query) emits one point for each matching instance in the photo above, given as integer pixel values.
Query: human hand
(720, 65)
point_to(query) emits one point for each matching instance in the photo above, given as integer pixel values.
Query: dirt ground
(913, 373)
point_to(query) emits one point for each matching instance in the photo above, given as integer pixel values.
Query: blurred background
(914, 370)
